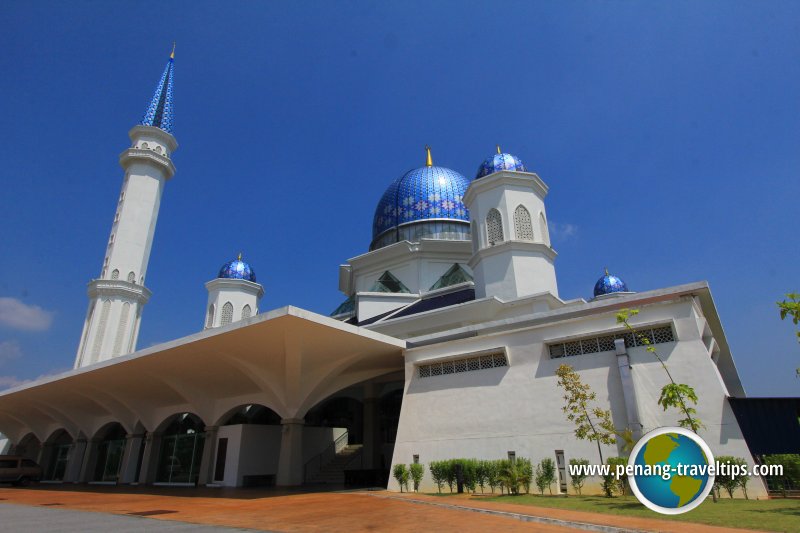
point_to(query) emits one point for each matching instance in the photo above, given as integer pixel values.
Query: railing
(315, 464)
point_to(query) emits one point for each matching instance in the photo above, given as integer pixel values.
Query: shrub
(438, 473)
(482, 473)
(548, 472)
(469, 470)
(417, 470)
(578, 479)
(730, 482)
(509, 476)
(450, 473)
(525, 468)
(493, 474)
(400, 473)
(791, 470)
(622, 481)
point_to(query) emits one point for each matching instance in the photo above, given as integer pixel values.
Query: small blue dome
(426, 195)
(609, 284)
(237, 269)
(498, 162)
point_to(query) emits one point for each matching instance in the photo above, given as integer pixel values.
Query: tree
(733, 479)
(791, 470)
(675, 395)
(621, 482)
(791, 307)
(417, 470)
(592, 423)
(493, 474)
(525, 468)
(509, 475)
(482, 474)
(400, 473)
(438, 473)
(450, 473)
(577, 476)
(548, 470)
(540, 479)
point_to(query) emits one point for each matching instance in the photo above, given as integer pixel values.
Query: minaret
(233, 295)
(512, 256)
(117, 297)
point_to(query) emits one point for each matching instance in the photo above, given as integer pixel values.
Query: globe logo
(671, 470)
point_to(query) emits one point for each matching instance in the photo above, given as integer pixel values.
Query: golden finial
(499, 151)
(172, 55)
(429, 160)
(606, 269)
(240, 257)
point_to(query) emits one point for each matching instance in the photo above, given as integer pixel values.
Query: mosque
(446, 345)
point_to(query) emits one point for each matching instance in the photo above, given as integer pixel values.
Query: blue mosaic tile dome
(159, 113)
(498, 162)
(430, 196)
(237, 269)
(609, 284)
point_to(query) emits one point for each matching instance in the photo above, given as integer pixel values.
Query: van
(18, 470)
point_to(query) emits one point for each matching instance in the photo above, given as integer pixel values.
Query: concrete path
(27, 518)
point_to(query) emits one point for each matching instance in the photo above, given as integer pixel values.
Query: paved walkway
(280, 510)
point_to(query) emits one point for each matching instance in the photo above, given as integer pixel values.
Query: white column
(209, 453)
(290, 461)
(130, 458)
(628, 390)
(75, 464)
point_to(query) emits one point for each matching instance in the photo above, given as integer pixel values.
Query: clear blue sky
(668, 133)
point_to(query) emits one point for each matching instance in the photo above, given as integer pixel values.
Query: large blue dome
(609, 284)
(426, 202)
(237, 269)
(498, 162)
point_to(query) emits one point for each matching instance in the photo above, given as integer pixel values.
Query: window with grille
(131, 277)
(655, 335)
(467, 364)
(115, 274)
(246, 312)
(523, 227)
(227, 314)
(210, 317)
(494, 227)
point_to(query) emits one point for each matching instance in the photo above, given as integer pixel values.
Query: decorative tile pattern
(237, 269)
(498, 162)
(608, 284)
(467, 364)
(159, 112)
(589, 345)
(422, 194)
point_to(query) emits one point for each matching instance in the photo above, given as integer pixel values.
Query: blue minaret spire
(159, 112)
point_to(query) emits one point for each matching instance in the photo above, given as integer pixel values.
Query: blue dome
(498, 162)
(609, 284)
(428, 199)
(237, 269)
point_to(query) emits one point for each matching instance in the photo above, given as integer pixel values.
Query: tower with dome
(445, 345)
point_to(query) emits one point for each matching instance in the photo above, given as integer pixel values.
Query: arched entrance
(340, 412)
(56, 455)
(247, 447)
(29, 447)
(110, 450)
(181, 450)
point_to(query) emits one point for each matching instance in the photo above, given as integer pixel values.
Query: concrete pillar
(290, 461)
(89, 460)
(76, 456)
(152, 443)
(130, 458)
(209, 454)
(371, 450)
(628, 390)
(44, 458)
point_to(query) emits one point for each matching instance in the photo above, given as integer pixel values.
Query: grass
(770, 515)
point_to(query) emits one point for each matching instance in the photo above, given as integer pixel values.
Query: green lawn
(770, 515)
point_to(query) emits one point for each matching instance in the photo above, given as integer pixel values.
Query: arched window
(246, 312)
(115, 274)
(523, 228)
(210, 317)
(145, 146)
(494, 227)
(227, 314)
(131, 277)
(543, 229)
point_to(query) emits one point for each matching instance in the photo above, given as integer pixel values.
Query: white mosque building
(445, 346)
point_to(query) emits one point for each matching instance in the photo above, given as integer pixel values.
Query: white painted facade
(230, 300)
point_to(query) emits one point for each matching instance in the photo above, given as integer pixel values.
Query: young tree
(577, 479)
(417, 470)
(540, 479)
(730, 482)
(592, 423)
(493, 474)
(438, 473)
(548, 472)
(482, 473)
(400, 473)
(676, 395)
(450, 473)
(791, 307)
(509, 475)
(525, 468)
(621, 482)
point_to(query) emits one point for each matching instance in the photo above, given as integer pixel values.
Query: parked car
(18, 470)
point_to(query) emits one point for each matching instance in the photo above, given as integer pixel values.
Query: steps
(333, 471)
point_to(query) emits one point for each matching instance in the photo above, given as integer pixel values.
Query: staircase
(332, 472)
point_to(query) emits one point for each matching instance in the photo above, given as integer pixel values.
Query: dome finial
(240, 257)
(499, 151)
(606, 270)
(429, 160)
(172, 55)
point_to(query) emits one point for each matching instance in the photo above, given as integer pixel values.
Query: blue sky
(668, 133)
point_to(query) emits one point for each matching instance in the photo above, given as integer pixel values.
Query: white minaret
(512, 256)
(117, 297)
(233, 295)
